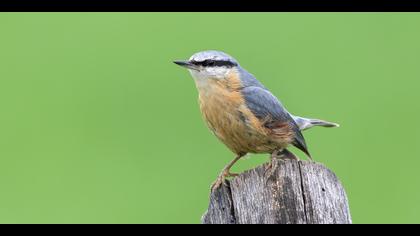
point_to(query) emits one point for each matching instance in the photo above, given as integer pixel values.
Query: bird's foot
(281, 154)
(271, 166)
(221, 179)
(226, 173)
(287, 155)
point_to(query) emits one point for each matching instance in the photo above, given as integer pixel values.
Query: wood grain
(290, 192)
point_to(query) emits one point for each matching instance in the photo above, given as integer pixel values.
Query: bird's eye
(209, 63)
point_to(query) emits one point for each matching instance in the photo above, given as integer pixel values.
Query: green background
(97, 125)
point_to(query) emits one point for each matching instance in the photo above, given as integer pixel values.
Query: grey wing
(263, 104)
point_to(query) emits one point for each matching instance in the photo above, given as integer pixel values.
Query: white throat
(205, 75)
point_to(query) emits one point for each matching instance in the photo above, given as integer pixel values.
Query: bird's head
(209, 65)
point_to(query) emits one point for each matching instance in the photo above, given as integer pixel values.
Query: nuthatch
(242, 113)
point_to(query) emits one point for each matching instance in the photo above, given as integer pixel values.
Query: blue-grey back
(264, 104)
(248, 79)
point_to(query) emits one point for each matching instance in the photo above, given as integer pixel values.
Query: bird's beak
(187, 65)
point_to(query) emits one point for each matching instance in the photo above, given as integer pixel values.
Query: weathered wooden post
(291, 192)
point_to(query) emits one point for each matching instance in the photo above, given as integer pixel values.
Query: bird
(242, 113)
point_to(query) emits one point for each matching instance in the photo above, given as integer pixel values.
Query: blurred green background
(99, 126)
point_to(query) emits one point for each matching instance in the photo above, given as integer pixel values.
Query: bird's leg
(279, 154)
(286, 155)
(273, 160)
(225, 173)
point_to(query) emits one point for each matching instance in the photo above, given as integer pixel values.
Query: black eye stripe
(210, 62)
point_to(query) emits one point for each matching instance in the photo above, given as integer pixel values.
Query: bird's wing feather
(263, 103)
(267, 108)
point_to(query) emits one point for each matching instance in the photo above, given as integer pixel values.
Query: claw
(216, 184)
(271, 166)
(222, 179)
(225, 173)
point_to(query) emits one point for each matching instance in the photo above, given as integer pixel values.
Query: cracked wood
(292, 192)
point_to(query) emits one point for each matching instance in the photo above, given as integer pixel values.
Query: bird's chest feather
(221, 110)
(224, 109)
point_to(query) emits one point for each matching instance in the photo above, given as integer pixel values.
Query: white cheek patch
(217, 72)
(203, 76)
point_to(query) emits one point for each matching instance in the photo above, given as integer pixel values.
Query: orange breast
(224, 110)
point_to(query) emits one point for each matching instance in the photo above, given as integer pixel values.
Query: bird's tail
(306, 123)
(323, 123)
